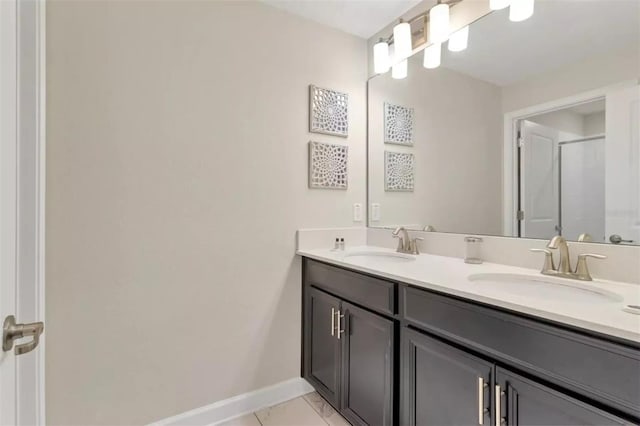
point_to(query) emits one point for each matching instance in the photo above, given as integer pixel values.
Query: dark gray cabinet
(367, 386)
(387, 353)
(349, 358)
(322, 348)
(525, 402)
(442, 385)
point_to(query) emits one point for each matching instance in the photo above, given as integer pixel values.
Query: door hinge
(520, 214)
(520, 142)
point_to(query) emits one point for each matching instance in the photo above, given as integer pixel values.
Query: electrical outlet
(357, 212)
(375, 212)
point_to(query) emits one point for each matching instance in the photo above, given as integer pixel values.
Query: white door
(539, 181)
(8, 201)
(21, 207)
(622, 166)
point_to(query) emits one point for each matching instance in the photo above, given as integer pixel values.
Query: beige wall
(176, 179)
(594, 124)
(457, 148)
(580, 77)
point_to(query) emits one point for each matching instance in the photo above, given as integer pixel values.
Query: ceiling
(363, 18)
(559, 33)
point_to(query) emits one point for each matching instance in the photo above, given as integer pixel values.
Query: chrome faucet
(405, 243)
(564, 267)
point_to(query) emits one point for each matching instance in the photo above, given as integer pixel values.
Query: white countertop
(450, 275)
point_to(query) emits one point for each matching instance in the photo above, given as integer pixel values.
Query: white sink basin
(378, 256)
(546, 288)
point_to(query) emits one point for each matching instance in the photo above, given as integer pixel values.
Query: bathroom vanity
(386, 349)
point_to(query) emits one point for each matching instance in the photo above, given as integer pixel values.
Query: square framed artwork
(328, 166)
(398, 171)
(328, 112)
(398, 124)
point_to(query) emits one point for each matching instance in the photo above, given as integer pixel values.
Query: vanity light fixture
(521, 10)
(439, 23)
(432, 56)
(402, 40)
(433, 28)
(498, 4)
(399, 69)
(459, 40)
(381, 59)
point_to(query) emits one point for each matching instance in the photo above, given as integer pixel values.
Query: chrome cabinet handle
(333, 321)
(481, 410)
(340, 330)
(12, 331)
(498, 406)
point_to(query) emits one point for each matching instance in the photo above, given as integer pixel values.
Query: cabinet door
(321, 344)
(367, 379)
(442, 385)
(521, 401)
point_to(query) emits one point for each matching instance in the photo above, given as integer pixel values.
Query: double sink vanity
(394, 338)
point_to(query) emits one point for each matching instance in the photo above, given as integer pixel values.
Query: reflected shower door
(582, 188)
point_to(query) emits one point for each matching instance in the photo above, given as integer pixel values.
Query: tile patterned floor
(308, 410)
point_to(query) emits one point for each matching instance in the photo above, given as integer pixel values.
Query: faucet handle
(413, 245)
(582, 271)
(595, 256)
(400, 242)
(549, 265)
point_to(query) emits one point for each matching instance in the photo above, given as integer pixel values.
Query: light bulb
(432, 56)
(402, 40)
(381, 60)
(521, 10)
(399, 70)
(498, 4)
(439, 23)
(459, 40)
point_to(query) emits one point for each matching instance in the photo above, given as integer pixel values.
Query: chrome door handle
(481, 410)
(340, 330)
(12, 331)
(333, 321)
(499, 395)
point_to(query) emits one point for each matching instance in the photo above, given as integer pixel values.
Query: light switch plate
(357, 212)
(375, 212)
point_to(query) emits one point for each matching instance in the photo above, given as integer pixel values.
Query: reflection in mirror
(531, 131)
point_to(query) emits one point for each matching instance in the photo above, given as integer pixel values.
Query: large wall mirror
(532, 131)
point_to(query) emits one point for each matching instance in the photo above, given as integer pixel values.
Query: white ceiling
(363, 18)
(559, 33)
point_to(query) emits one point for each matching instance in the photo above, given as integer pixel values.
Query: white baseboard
(240, 404)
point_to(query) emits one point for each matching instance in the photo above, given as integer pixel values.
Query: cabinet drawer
(368, 291)
(604, 371)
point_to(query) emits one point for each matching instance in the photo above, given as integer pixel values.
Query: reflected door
(539, 181)
(622, 170)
